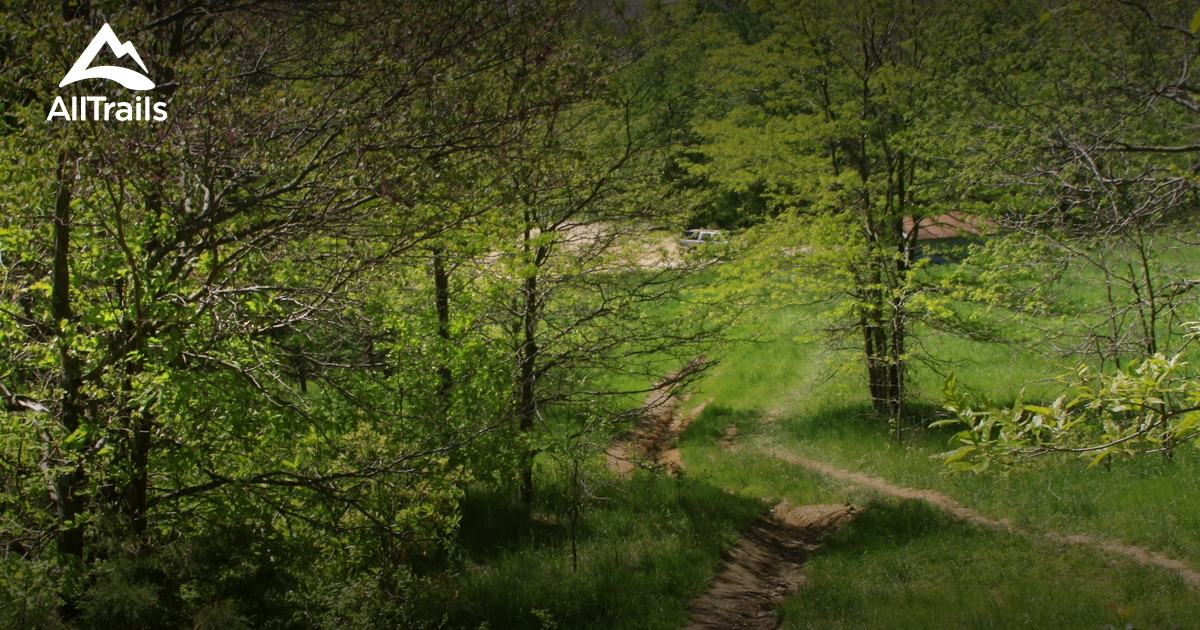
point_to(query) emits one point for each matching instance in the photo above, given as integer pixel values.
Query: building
(944, 237)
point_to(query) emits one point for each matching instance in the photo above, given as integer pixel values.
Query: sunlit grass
(826, 415)
(648, 546)
(782, 391)
(747, 472)
(907, 565)
(1144, 501)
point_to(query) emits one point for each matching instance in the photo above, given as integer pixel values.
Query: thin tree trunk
(869, 359)
(139, 478)
(896, 372)
(899, 330)
(528, 355)
(441, 299)
(880, 360)
(69, 484)
(527, 358)
(872, 350)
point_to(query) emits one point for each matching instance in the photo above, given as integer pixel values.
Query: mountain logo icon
(126, 77)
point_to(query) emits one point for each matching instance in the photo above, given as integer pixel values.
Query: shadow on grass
(493, 523)
(647, 546)
(837, 422)
(710, 425)
(887, 523)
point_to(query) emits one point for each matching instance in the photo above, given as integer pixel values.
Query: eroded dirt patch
(729, 438)
(821, 517)
(764, 567)
(648, 443)
(652, 442)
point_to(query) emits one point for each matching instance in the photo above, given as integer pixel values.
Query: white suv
(701, 237)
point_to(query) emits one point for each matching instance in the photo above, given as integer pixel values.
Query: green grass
(910, 566)
(905, 564)
(746, 472)
(825, 415)
(1144, 501)
(646, 548)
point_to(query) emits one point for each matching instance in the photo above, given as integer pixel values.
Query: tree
(1079, 138)
(575, 281)
(1085, 124)
(826, 110)
(190, 322)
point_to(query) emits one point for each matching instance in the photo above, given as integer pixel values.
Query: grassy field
(907, 565)
(826, 416)
(646, 547)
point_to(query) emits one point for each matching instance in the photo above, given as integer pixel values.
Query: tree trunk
(68, 485)
(883, 353)
(899, 324)
(441, 300)
(873, 380)
(139, 474)
(527, 403)
(896, 372)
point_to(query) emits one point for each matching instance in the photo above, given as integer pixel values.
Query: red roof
(948, 225)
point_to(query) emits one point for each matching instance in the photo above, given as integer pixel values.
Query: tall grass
(646, 548)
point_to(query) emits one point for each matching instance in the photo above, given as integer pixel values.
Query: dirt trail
(651, 442)
(764, 566)
(1140, 554)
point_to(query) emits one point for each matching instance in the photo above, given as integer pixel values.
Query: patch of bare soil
(764, 567)
(729, 438)
(821, 518)
(1139, 554)
(651, 442)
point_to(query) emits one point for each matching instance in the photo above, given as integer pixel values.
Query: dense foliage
(253, 357)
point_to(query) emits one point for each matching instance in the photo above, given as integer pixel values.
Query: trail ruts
(764, 567)
(650, 442)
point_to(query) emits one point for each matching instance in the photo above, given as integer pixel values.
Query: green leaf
(1195, 26)
(958, 454)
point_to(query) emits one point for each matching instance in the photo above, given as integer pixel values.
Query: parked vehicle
(701, 237)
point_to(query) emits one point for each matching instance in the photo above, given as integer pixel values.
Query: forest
(361, 314)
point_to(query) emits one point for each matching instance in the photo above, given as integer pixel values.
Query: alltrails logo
(143, 108)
